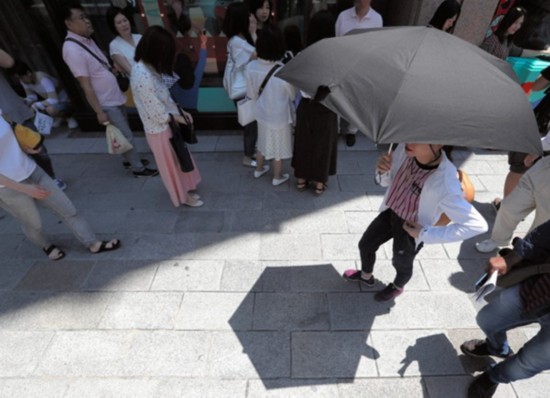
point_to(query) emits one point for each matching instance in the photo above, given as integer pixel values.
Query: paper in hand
(485, 285)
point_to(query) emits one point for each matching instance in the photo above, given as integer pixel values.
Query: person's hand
(184, 120)
(412, 228)
(29, 150)
(252, 25)
(383, 164)
(35, 191)
(102, 118)
(530, 159)
(498, 264)
(203, 39)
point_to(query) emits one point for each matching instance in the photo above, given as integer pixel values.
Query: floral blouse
(152, 98)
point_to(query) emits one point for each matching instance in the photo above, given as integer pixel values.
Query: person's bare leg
(259, 161)
(277, 168)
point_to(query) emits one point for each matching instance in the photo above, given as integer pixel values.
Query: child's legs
(377, 233)
(404, 252)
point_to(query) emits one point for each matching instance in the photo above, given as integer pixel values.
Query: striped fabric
(406, 187)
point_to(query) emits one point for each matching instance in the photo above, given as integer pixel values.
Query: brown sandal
(301, 185)
(320, 190)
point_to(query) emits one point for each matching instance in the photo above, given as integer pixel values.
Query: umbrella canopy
(417, 84)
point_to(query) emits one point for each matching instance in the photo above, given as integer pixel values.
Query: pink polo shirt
(83, 64)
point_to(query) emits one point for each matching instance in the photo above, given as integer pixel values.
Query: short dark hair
(110, 16)
(321, 26)
(66, 9)
(445, 11)
(255, 4)
(270, 44)
(19, 68)
(512, 16)
(157, 48)
(236, 21)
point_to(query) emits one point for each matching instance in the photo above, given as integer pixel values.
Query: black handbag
(122, 80)
(187, 131)
(180, 148)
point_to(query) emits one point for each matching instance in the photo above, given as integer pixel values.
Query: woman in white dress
(123, 47)
(274, 107)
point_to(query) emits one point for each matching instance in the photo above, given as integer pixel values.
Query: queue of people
(421, 179)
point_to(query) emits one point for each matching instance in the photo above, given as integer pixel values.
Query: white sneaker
(72, 123)
(258, 174)
(279, 181)
(486, 246)
(249, 162)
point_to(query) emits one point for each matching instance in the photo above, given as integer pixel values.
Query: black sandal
(319, 191)
(300, 186)
(103, 247)
(49, 250)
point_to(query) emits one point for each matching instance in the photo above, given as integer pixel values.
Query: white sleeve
(49, 87)
(545, 141)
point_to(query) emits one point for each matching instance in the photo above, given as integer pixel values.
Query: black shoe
(479, 348)
(350, 139)
(389, 293)
(482, 387)
(127, 165)
(146, 173)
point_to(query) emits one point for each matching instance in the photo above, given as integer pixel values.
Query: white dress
(274, 111)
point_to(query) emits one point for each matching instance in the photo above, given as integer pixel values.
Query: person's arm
(6, 61)
(143, 87)
(542, 82)
(89, 93)
(48, 87)
(34, 191)
(535, 247)
(122, 63)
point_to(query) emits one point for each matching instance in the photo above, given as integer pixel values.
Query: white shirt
(14, 163)
(45, 84)
(239, 53)
(152, 98)
(348, 21)
(275, 107)
(122, 47)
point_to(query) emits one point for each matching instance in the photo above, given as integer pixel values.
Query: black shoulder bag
(121, 79)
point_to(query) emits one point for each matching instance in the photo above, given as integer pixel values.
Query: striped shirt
(406, 187)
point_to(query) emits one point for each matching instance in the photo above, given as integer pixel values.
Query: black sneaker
(479, 348)
(482, 387)
(350, 140)
(145, 173)
(389, 293)
(127, 165)
(352, 275)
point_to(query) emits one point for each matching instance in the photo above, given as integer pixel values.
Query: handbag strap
(105, 65)
(271, 72)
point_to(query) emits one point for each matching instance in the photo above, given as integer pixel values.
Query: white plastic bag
(246, 111)
(116, 142)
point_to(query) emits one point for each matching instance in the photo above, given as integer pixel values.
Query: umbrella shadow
(307, 326)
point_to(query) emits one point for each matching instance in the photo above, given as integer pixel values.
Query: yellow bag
(116, 142)
(26, 137)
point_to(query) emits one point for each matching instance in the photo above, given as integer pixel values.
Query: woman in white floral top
(155, 55)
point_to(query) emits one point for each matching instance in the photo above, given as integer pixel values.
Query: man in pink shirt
(97, 81)
(360, 16)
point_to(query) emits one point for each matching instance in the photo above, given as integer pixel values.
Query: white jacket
(441, 194)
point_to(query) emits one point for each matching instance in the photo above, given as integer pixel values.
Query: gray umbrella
(417, 84)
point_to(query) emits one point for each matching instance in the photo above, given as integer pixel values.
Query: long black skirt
(315, 142)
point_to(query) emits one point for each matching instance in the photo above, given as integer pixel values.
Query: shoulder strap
(106, 65)
(271, 72)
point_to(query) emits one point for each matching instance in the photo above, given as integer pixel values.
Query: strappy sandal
(320, 190)
(115, 244)
(300, 186)
(49, 252)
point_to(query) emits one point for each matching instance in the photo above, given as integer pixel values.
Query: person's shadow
(305, 325)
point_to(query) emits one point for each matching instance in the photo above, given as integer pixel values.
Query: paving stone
(242, 354)
(332, 354)
(290, 247)
(183, 275)
(123, 388)
(141, 310)
(337, 200)
(340, 246)
(203, 221)
(358, 221)
(137, 220)
(415, 353)
(535, 387)
(12, 271)
(242, 276)
(33, 387)
(21, 351)
(292, 388)
(215, 311)
(298, 311)
(115, 275)
(320, 278)
(384, 387)
(51, 311)
(448, 386)
(125, 354)
(201, 388)
(458, 274)
(56, 276)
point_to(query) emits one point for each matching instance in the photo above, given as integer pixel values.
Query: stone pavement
(239, 298)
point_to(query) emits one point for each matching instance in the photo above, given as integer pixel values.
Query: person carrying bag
(246, 107)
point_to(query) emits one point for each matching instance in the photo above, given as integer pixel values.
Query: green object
(528, 70)
(215, 99)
